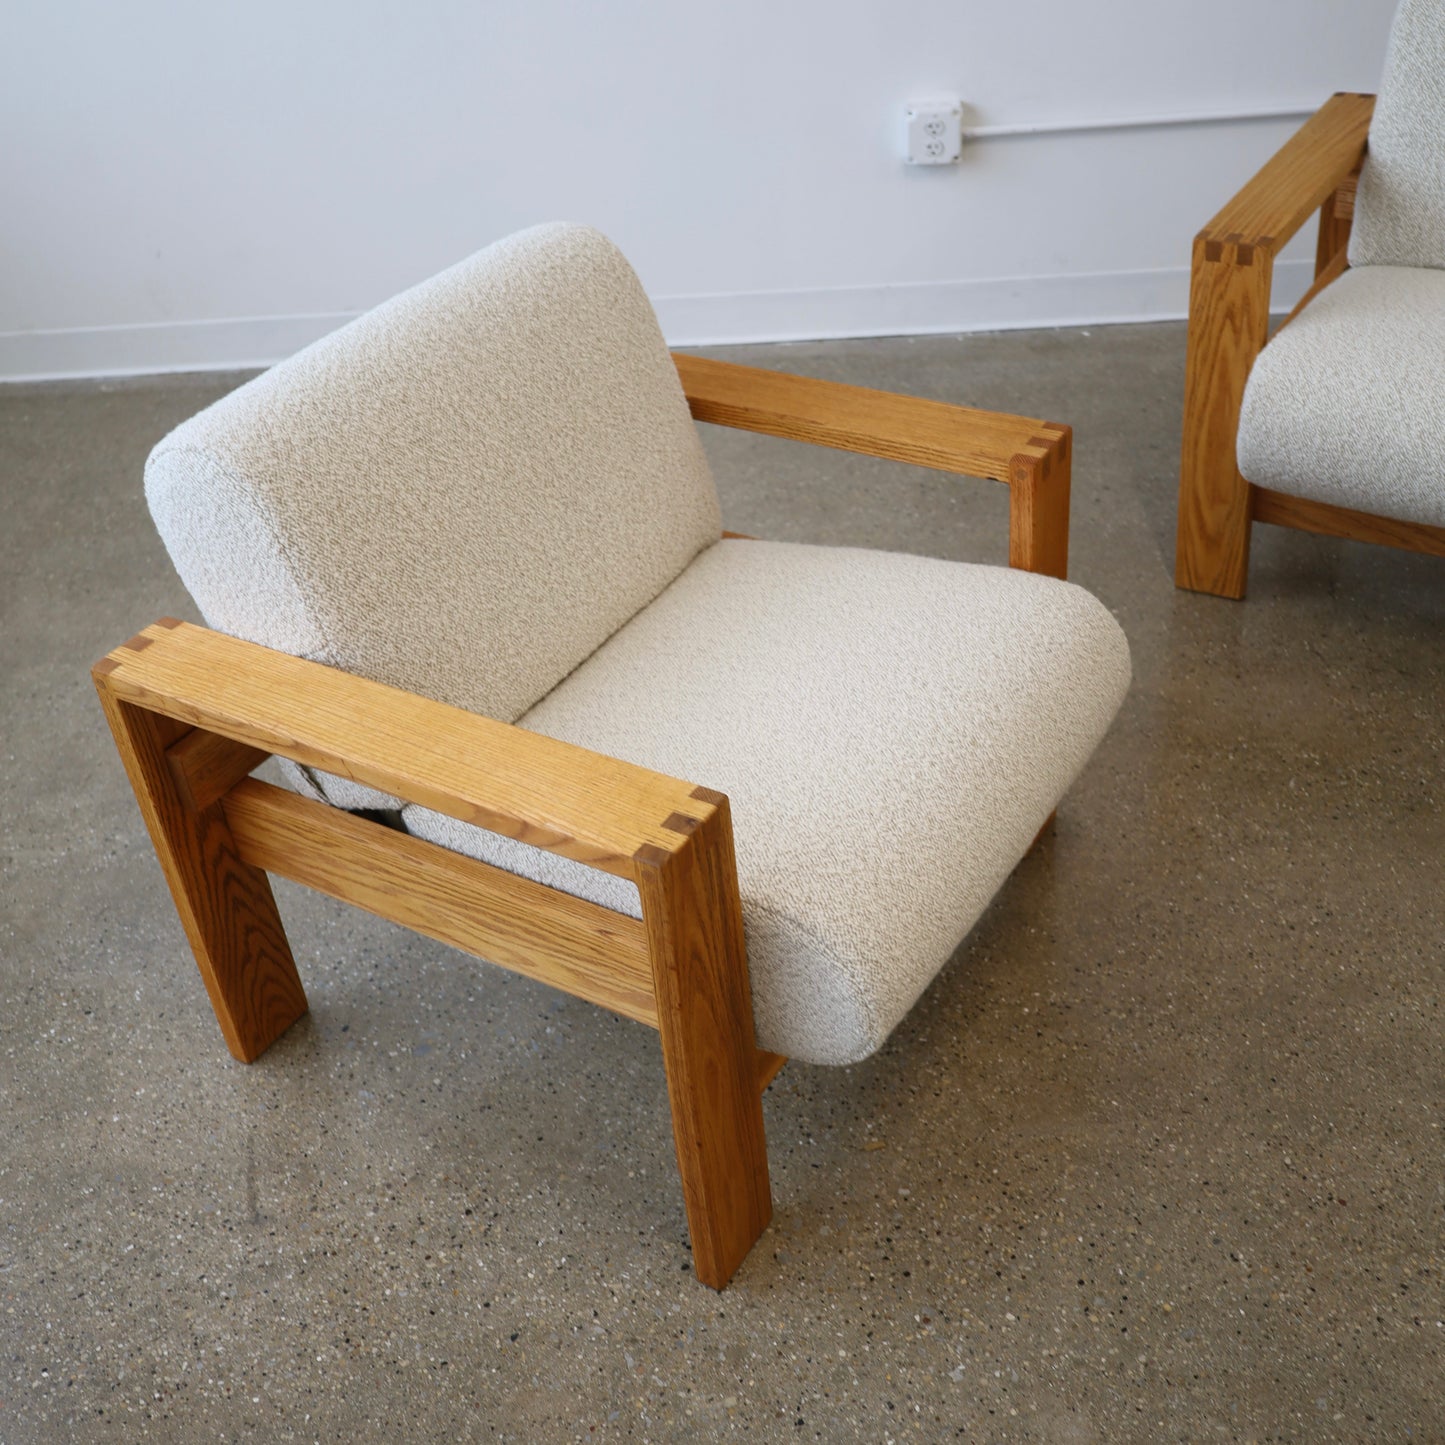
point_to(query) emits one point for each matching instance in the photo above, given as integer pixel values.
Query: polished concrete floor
(1159, 1156)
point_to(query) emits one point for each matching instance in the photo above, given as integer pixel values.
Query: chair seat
(892, 731)
(1347, 403)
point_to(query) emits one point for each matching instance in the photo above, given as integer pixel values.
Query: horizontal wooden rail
(1283, 510)
(580, 947)
(583, 948)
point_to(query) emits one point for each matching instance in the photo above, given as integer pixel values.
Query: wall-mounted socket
(932, 132)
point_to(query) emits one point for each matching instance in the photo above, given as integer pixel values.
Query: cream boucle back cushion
(891, 732)
(462, 493)
(1400, 208)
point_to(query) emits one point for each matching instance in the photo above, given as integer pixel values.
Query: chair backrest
(462, 493)
(1400, 207)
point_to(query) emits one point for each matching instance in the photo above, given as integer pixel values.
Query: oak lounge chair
(463, 562)
(1338, 427)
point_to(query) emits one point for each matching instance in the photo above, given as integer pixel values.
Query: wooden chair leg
(705, 1016)
(1228, 326)
(1039, 478)
(225, 905)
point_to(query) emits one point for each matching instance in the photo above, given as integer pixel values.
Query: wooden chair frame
(193, 712)
(1229, 295)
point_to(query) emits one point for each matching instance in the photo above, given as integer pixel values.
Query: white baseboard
(947, 307)
(230, 345)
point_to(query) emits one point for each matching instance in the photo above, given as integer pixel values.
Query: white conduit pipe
(1136, 122)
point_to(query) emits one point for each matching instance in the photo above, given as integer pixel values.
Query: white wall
(185, 184)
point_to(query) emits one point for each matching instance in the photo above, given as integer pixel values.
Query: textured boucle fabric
(462, 493)
(1400, 204)
(891, 731)
(1347, 403)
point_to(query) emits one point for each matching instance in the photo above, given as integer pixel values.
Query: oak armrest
(583, 805)
(886, 424)
(1030, 455)
(1295, 182)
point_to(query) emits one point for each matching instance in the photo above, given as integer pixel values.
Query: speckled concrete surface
(1159, 1156)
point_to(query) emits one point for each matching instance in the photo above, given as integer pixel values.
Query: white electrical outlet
(932, 132)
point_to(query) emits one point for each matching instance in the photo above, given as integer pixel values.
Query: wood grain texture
(1283, 510)
(596, 809)
(1038, 532)
(1295, 182)
(705, 1018)
(225, 904)
(858, 419)
(769, 1067)
(1228, 325)
(1032, 456)
(580, 947)
(1337, 216)
(207, 766)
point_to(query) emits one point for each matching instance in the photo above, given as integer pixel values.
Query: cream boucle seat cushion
(1347, 403)
(462, 493)
(891, 731)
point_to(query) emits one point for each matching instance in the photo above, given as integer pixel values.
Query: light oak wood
(705, 1018)
(1337, 216)
(595, 809)
(1228, 324)
(207, 766)
(225, 904)
(579, 947)
(1038, 534)
(1283, 510)
(1031, 456)
(858, 419)
(1230, 282)
(769, 1067)
(1295, 182)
